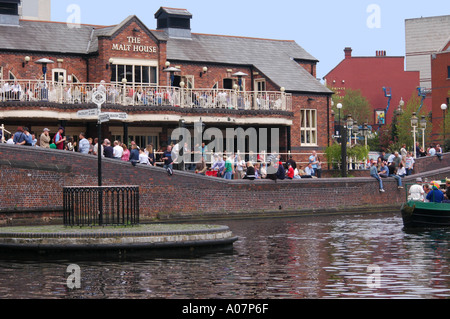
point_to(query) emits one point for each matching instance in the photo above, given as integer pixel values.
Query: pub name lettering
(134, 44)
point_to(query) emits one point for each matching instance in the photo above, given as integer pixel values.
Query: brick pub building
(161, 78)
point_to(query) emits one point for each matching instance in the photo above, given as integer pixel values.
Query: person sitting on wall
(290, 171)
(384, 170)
(251, 172)
(439, 151)
(201, 168)
(218, 165)
(309, 171)
(374, 173)
(302, 173)
(393, 173)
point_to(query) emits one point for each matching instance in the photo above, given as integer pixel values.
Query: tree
(404, 129)
(445, 128)
(353, 103)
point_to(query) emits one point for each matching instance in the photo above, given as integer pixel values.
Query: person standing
(409, 164)
(228, 172)
(168, 161)
(143, 158)
(95, 151)
(45, 138)
(117, 151)
(126, 153)
(108, 149)
(83, 145)
(134, 155)
(313, 161)
(60, 139)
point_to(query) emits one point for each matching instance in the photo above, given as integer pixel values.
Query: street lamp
(172, 71)
(444, 108)
(350, 126)
(365, 133)
(423, 127)
(44, 62)
(414, 124)
(339, 106)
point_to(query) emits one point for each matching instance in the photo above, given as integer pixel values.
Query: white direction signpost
(88, 113)
(99, 98)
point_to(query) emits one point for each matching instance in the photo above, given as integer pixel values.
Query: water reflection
(310, 257)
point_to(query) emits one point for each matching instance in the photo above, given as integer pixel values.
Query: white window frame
(257, 84)
(308, 127)
(1, 73)
(133, 63)
(64, 71)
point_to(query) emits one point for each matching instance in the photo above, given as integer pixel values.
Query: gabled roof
(46, 37)
(274, 58)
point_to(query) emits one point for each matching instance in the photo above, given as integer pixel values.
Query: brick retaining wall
(32, 180)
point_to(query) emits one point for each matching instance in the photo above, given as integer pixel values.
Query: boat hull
(425, 215)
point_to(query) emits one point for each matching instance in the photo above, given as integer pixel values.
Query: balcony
(143, 95)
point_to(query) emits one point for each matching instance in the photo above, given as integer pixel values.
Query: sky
(322, 27)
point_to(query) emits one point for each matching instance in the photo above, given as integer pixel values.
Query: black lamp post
(444, 108)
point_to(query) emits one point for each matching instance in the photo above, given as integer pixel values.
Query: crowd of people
(235, 166)
(400, 164)
(228, 166)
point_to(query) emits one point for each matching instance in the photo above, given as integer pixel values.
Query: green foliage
(404, 129)
(353, 103)
(359, 152)
(334, 153)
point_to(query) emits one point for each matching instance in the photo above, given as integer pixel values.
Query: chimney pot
(348, 52)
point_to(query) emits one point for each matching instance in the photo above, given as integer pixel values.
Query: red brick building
(224, 81)
(440, 75)
(371, 75)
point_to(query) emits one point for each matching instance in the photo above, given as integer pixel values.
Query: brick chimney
(380, 53)
(348, 52)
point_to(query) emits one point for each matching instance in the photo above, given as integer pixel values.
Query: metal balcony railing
(143, 95)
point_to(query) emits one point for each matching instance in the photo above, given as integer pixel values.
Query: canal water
(357, 256)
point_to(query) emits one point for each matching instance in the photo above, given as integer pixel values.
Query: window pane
(120, 72)
(145, 75)
(137, 74)
(129, 73)
(153, 75)
(313, 119)
(113, 73)
(313, 137)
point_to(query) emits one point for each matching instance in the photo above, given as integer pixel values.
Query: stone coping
(147, 237)
(109, 232)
